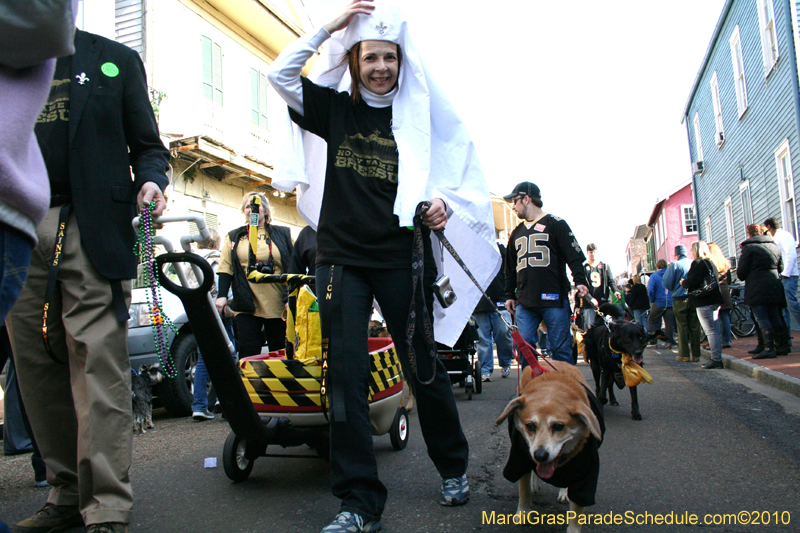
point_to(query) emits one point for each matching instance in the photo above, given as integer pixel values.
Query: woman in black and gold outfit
(258, 307)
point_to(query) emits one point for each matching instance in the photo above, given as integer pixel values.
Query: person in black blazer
(100, 141)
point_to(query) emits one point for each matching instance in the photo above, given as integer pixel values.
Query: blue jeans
(792, 305)
(639, 317)
(725, 326)
(557, 321)
(708, 315)
(491, 327)
(200, 388)
(15, 251)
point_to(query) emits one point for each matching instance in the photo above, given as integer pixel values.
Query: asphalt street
(711, 442)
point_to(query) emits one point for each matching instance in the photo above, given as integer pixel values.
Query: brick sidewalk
(789, 364)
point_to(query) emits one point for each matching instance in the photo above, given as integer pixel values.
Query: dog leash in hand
(419, 306)
(526, 349)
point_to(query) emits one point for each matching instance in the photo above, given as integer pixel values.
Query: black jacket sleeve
(510, 265)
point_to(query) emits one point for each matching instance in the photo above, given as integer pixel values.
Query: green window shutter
(217, 62)
(262, 100)
(254, 115)
(208, 78)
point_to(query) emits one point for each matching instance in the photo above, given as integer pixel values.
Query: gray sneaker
(455, 491)
(506, 371)
(486, 377)
(203, 415)
(347, 522)
(51, 518)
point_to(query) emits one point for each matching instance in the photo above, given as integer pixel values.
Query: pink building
(672, 222)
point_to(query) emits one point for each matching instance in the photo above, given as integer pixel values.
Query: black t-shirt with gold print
(357, 226)
(52, 129)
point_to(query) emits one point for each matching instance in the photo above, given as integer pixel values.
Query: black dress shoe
(713, 364)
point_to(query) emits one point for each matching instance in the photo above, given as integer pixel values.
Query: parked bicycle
(742, 322)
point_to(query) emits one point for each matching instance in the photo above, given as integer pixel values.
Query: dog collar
(612, 348)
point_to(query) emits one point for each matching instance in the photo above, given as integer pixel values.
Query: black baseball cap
(527, 188)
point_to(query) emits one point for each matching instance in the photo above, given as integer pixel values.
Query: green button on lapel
(110, 70)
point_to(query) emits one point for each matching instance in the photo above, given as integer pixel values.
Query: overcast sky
(583, 98)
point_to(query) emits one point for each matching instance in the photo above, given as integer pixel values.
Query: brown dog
(556, 428)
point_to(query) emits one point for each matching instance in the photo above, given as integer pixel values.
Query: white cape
(436, 160)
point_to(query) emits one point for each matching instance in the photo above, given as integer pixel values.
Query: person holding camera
(379, 113)
(258, 307)
(537, 287)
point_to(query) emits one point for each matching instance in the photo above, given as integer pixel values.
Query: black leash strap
(52, 277)
(418, 304)
(331, 397)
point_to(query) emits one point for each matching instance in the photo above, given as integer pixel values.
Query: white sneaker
(202, 415)
(486, 377)
(506, 371)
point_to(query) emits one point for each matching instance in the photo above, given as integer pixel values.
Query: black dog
(606, 342)
(142, 394)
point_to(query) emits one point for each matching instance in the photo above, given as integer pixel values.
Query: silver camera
(444, 291)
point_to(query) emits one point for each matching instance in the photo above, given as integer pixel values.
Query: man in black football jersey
(537, 288)
(601, 283)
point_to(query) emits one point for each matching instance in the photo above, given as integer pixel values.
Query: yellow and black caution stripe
(288, 385)
(385, 372)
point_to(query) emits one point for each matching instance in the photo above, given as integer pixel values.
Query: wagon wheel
(476, 375)
(237, 466)
(400, 430)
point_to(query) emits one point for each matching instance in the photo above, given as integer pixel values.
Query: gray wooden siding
(750, 142)
(129, 23)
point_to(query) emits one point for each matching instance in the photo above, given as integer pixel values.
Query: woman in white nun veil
(379, 161)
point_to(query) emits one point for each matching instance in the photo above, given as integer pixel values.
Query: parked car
(174, 394)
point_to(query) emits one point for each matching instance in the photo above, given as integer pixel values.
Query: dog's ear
(584, 412)
(512, 406)
(143, 369)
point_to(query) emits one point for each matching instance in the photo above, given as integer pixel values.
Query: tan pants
(80, 412)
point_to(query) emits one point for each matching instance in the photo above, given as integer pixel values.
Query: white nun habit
(436, 160)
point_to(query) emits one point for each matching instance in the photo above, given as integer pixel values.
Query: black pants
(345, 317)
(251, 331)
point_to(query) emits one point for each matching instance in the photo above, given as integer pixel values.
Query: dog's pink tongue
(546, 470)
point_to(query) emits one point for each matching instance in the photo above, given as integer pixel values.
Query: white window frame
(729, 227)
(709, 234)
(663, 221)
(737, 59)
(720, 135)
(783, 165)
(698, 140)
(258, 96)
(684, 220)
(212, 84)
(769, 36)
(747, 206)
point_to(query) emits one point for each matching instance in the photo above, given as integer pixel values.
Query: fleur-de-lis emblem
(381, 27)
(82, 78)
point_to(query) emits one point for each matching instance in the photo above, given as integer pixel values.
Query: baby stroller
(269, 399)
(461, 361)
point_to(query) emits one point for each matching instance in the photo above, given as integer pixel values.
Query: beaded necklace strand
(145, 249)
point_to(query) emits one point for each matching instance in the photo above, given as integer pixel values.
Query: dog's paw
(603, 400)
(563, 496)
(535, 484)
(636, 415)
(614, 403)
